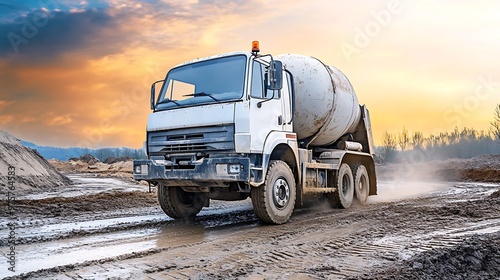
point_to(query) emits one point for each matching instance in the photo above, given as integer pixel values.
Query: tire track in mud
(346, 252)
(35, 228)
(341, 256)
(317, 243)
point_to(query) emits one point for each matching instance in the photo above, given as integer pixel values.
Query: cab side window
(258, 89)
(257, 80)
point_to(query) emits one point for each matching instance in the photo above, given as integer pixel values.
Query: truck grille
(194, 139)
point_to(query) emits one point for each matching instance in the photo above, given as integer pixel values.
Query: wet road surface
(228, 242)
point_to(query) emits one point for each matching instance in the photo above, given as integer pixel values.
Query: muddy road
(114, 230)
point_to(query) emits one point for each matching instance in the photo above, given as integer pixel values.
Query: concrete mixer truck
(275, 129)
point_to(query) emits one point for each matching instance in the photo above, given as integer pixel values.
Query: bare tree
(404, 139)
(389, 144)
(495, 124)
(417, 140)
(389, 141)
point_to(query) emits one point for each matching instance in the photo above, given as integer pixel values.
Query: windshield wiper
(202, 94)
(166, 100)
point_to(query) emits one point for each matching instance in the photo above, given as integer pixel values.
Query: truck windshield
(203, 82)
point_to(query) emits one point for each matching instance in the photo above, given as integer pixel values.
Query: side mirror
(153, 93)
(275, 79)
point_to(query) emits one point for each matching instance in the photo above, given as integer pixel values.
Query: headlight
(234, 168)
(141, 169)
(225, 169)
(137, 169)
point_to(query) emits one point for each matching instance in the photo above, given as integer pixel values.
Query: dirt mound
(32, 171)
(119, 169)
(111, 160)
(476, 258)
(67, 206)
(485, 175)
(483, 168)
(478, 162)
(88, 158)
(480, 168)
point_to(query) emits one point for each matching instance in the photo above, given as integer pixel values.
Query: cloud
(84, 75)
(46, 36)
(60, 120)
(8, 10)
(6, 119)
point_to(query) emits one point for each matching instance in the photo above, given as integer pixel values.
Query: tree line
(65, 154)
(104, 153)
(459, 143)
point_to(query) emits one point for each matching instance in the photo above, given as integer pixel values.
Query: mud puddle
(228, 242)
(86, 184)
(120, 238)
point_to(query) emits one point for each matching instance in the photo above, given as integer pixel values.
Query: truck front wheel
(274, 201)
(179, 204)
(344, 183)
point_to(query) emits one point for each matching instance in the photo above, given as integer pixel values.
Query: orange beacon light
(255, 47)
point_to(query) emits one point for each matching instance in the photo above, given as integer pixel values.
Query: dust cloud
(411, 178)
(389, 191)
(407, 180)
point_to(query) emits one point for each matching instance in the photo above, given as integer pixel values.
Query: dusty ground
(483, 168)
(106, 226)
(115, 230)
(120, 169)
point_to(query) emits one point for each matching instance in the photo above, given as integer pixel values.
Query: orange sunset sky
(78, 73)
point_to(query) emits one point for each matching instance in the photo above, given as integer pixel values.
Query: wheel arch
(285, 153)
(355, 159)
(279, 146)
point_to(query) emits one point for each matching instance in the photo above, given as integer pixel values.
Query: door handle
(280, 120)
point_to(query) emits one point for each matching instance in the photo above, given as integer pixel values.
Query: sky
(78, 73)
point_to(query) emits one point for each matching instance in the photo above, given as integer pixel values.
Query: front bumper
(230, 169)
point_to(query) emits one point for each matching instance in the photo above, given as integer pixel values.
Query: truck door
(266, 109)
(286, 100)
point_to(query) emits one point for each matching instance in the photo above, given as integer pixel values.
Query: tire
(179, 204)
(361, 184)
(274, 201)
(344, 183)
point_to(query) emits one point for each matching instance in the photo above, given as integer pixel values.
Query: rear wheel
(274, 201)
(362, 184)
(344, 184)
(177, 203)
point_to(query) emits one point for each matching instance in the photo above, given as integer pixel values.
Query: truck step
(316, 165)
(319, 190)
